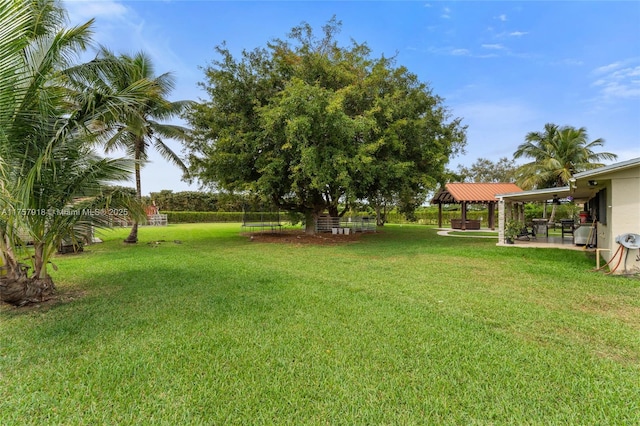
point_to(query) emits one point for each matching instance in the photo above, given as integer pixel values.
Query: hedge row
(202, 217)
(429, 217)
(423, 217)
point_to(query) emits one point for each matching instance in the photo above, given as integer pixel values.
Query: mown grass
(401, 327)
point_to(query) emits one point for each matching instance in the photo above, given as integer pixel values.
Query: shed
(471, 193)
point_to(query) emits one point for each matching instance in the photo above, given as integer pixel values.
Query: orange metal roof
(475, 192)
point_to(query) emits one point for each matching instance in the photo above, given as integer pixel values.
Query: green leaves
(558, 153)
(51, 110)
(312, 125)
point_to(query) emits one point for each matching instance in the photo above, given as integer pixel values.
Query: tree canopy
(485, 170)
(313, 126)
(52, 183)
(557, 153)
(142, 128)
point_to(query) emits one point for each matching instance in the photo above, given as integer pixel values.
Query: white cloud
(607, 68)
(446, 13)
(517, 33)
(627, 72)
(502, 18)
(628, 154)
(493, 46)
(619, 80)
(572, 62)
(81, 11)
(460, 52)
(621, 90)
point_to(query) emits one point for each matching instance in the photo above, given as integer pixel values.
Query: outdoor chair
(525, 234)
(567, 227)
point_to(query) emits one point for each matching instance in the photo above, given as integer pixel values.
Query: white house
(611, 196)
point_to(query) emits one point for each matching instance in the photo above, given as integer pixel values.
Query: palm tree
(142, 128)
(51, 180)
(557, 153)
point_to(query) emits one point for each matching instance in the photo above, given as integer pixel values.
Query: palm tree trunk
(18, 289)
(552, 217)
(133, 235)
(22, 290)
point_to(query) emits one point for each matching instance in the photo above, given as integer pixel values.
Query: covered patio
(471, 193)
(510, 205)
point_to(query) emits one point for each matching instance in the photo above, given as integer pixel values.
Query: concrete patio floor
(552, 241)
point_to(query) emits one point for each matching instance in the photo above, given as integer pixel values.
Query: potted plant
(511, 231)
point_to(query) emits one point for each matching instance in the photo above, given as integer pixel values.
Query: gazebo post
(464, 215)
(439, 215)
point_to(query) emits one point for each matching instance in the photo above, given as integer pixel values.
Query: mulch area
(299, 237)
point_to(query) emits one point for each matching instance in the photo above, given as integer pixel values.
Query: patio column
(492, 212)
(501, 221)
(439, 215)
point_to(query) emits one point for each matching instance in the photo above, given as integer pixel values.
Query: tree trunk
(552, 217)
(23, 291)
(381, 213)
(310, 223)
(133, 235)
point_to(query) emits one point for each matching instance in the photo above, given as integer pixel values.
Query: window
(601, 206)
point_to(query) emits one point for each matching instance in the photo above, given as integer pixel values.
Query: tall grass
(199, 325)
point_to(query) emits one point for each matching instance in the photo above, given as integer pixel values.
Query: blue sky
(506, 68)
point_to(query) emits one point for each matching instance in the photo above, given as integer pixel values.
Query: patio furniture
(567, 227)
(469, 224)
(540, 227)
(526, 235)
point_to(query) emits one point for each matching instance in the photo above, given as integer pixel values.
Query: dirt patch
(299, 237)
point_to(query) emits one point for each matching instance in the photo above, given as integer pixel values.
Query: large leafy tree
(142, 128)
(485, 170)
(313, 126)
(51, 180)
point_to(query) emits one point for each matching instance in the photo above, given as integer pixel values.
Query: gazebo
(471, 193)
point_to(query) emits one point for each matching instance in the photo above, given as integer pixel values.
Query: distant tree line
(196, 201)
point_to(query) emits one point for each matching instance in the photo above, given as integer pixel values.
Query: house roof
(616, 167)
(579, 189)
(459, 192)
(545, 194)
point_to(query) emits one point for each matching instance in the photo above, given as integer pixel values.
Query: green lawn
(401, 327)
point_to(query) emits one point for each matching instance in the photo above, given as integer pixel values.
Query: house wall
(623, 216)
